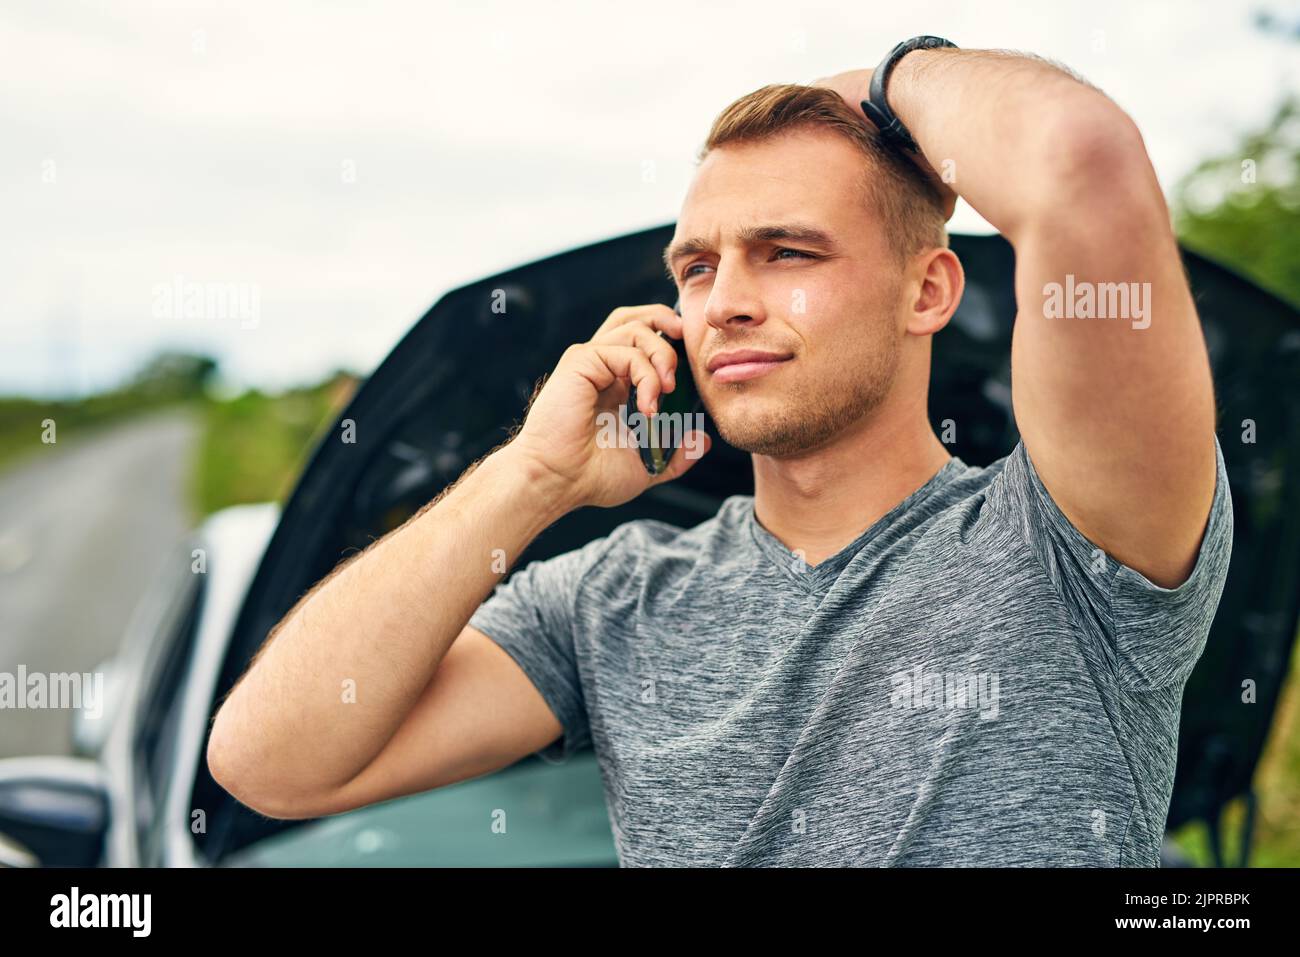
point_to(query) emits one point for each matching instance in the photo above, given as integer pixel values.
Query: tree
(1242, 208)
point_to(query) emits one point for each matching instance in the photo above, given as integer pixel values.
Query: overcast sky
(348, 163)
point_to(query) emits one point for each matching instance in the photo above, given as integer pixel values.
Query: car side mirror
(54, 812)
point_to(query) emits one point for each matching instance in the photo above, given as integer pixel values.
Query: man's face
(829, 304)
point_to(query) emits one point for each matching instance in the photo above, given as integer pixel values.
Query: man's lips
(741, 364)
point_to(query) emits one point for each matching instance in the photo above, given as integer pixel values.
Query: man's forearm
(339, 674)
(1012, 134)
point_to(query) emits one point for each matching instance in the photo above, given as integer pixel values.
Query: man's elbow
(227, 770)
(1086, 174)
(1094, 143)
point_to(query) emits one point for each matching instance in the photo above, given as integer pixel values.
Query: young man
(884, 656)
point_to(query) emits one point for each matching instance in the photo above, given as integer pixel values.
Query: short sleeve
(1153, 635)
(530, 615)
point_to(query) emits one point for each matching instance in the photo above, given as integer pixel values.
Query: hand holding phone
(589, 433)
(679, 410)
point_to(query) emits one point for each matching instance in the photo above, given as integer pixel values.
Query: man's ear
(939, 283)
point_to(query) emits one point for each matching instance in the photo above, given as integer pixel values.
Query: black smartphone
(679, 411)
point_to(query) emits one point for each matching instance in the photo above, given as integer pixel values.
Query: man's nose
(733, 301)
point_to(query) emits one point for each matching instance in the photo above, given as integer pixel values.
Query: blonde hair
(909, 206)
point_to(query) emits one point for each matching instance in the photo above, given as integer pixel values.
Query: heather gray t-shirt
(969, 682)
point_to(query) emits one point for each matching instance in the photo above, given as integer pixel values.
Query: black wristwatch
(877, 109)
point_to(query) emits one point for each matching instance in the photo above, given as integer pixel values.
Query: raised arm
(1110, 377)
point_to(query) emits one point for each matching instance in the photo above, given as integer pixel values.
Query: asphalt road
(84, 527)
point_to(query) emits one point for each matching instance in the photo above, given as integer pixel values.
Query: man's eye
(688, 272)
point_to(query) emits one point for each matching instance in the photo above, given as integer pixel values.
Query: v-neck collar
(816, 577)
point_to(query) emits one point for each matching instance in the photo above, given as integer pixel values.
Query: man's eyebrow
(751, 235)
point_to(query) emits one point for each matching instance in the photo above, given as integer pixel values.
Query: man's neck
(821, 502)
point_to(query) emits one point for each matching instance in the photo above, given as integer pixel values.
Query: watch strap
(876, 107)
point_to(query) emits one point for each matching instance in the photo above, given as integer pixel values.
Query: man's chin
(778, 440)
(760, 427)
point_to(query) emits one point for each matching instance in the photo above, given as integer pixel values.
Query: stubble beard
(809, 416)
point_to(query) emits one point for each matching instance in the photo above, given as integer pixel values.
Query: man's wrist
(533, 484)
(903, 92)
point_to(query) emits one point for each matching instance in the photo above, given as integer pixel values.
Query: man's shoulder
(967, 486)
(652, 535)
(646, 549)
(958, 500)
